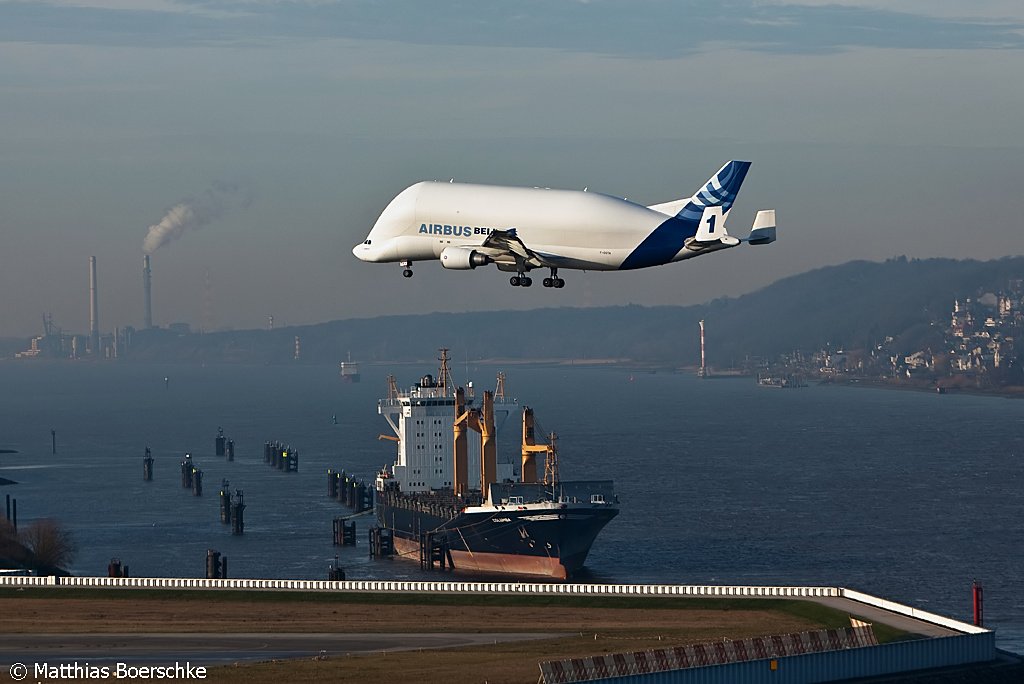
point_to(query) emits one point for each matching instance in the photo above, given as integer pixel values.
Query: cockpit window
(367, 242)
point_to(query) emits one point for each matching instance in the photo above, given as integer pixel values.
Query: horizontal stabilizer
(763, 231)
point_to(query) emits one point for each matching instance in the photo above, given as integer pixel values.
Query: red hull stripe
(505, 563)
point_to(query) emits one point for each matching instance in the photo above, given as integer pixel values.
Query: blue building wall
(900, 656)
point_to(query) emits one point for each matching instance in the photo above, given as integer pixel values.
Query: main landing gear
(521, 280)
(407, 266)
(554, 280)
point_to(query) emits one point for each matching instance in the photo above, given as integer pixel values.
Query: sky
(875, 129)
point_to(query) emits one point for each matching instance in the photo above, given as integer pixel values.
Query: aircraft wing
(504, 246)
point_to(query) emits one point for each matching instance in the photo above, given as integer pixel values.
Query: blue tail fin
(698, 225)
(720, 191)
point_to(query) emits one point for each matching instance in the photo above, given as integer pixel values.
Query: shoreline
(1011, 392)
(625, 364)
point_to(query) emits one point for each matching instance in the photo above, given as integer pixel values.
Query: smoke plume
(195, 213)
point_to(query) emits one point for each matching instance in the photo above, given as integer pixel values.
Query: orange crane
(481, 420)
(460, 476)
(531, 448)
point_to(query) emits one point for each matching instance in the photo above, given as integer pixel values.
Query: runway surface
(220, 649)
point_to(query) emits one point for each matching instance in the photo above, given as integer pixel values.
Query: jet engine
(462, 258)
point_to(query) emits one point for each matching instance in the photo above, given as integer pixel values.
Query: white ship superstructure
(422, 420)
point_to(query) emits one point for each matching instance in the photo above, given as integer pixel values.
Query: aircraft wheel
(526, 281)
(514, 281)
(559, 283)
(407, 273)
(548, 282)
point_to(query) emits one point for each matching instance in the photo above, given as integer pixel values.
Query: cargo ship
(448, 498)
(348, 371)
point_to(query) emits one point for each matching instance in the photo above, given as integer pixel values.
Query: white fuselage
(569, 228)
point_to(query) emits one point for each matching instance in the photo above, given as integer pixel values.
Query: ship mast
(551, 462)
(444, 375)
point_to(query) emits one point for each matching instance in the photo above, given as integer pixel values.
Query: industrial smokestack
(147, 276)
(94, 311)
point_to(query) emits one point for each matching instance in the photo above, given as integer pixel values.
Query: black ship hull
(550, 541)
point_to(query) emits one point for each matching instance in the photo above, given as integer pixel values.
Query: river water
(910, 496)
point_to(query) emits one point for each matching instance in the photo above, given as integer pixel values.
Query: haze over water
(909, 496)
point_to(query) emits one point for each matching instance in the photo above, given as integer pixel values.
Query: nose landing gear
(407, 268)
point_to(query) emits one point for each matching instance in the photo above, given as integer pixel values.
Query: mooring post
(334, 572)
(979, 604)
(116, 569)
(225, 502)
(212, 564)
(348, 532)
(237, 511)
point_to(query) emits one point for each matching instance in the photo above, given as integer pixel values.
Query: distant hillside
(853, 305)
(858, 303)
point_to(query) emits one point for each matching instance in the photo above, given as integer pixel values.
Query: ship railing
(574, 491)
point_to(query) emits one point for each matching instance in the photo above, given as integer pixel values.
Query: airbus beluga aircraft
(520, 229)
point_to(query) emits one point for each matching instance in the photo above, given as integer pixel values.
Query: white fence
(372, 586)
(30, 581)
(915, 613)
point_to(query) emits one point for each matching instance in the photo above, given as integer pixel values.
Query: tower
(94, 314)
(147, 293)
(703, 372)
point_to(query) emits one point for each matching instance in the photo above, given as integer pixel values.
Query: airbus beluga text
(520, 229)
